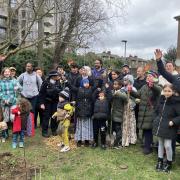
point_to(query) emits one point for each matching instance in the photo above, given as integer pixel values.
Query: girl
(21, 112)
(8, 97)
(101, 113)
(165, 125)
(119, 100)
(129, 122)
(84, 126)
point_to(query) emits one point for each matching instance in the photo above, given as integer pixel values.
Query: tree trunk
(61, 45)
(40, 34)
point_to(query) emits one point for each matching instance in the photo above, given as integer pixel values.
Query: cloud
(147, 25)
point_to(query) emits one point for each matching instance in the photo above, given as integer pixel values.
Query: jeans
(21, 137)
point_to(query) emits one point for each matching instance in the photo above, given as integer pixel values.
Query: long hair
(2, 72)
(25, 105)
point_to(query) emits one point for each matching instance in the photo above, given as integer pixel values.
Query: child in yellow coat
(64, 113)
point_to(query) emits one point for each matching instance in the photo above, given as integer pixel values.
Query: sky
(147, 25)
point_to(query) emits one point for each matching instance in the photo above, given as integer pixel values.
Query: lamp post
(177, 62)
(125, 42)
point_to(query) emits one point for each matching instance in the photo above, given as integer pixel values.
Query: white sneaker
(65, 149)
(3, 140)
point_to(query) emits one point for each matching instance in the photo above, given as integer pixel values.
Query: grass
(86, 163)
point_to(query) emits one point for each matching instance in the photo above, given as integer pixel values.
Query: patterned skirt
(84, 129)
(7, 115)
(129, 126)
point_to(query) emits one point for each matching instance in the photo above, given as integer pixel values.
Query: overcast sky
(149, 24)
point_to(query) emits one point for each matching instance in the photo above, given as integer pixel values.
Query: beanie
(65, 93)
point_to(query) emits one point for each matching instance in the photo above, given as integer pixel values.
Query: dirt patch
(15, 168)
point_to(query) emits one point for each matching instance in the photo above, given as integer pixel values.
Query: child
(149, 96)
(3, 128)
(119, 101)
(129, 121)
(100, 116)
(21, 112)
(165, 125)
(84, 125)
(64, 125)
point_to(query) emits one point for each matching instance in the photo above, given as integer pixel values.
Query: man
(31, 83)
(138, 83)
(174, 79)
(169, 67)
(72, 77)
(99, 74)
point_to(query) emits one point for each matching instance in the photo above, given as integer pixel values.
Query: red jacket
(17, 120)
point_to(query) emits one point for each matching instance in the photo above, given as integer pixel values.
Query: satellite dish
(177, 62)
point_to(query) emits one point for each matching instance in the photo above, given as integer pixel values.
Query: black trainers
(45, 135)
(167, 167)
(79, 143)
(159, 166)
(54, 133)
(86, 143)
(147, 151)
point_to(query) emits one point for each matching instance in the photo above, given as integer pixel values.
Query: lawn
(85, 163)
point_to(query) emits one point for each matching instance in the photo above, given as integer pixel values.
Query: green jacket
(118, 102)
(148, 100)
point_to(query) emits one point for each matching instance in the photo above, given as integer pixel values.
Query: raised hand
(158, 54)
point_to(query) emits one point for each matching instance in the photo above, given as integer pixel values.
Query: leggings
(167, 144)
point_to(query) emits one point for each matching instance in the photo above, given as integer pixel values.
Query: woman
(48, 100)
(9, 88)
(113, 76)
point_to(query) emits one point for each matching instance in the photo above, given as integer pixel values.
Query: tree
(171, 54)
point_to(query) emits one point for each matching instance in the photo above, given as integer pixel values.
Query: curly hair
(25, 105)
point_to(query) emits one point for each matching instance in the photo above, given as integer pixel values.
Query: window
(23, 13)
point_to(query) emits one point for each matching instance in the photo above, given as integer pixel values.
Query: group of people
(96, 101)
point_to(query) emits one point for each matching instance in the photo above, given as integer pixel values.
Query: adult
(99, 73)
(8, 96)
(139, 82)
(38, 110)
(48, 99)
(114, 75)
(174, 79)
(31, 84)
(125, 70)
(169, 67)
(85, 74)
(72, 77)
(13, 72)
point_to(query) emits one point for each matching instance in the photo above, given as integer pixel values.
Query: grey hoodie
(30, 83)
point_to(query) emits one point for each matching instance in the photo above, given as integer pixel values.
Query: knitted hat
(84, 81)
(65, 93)
(53, 73)
(129, 78)
(154, 74)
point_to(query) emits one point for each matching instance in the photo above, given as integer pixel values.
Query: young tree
(171, 54)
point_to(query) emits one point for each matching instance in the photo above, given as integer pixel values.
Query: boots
(167, 166)
(95, 144)
(103, 139)
(159, 166)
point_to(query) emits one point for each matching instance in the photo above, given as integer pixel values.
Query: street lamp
(125, 42)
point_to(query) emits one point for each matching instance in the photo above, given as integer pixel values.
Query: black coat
(101, 109)
(138, 84)
(167, 110)
(49, 93)
(84, 103)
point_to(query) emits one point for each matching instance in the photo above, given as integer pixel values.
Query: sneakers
(14, 145)
(45, 135)
(3, 140)
(167, 166)
(65, 149)
(117, 147)
(159, 166)
(103, 146)
(21, 144)
(147, 151)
